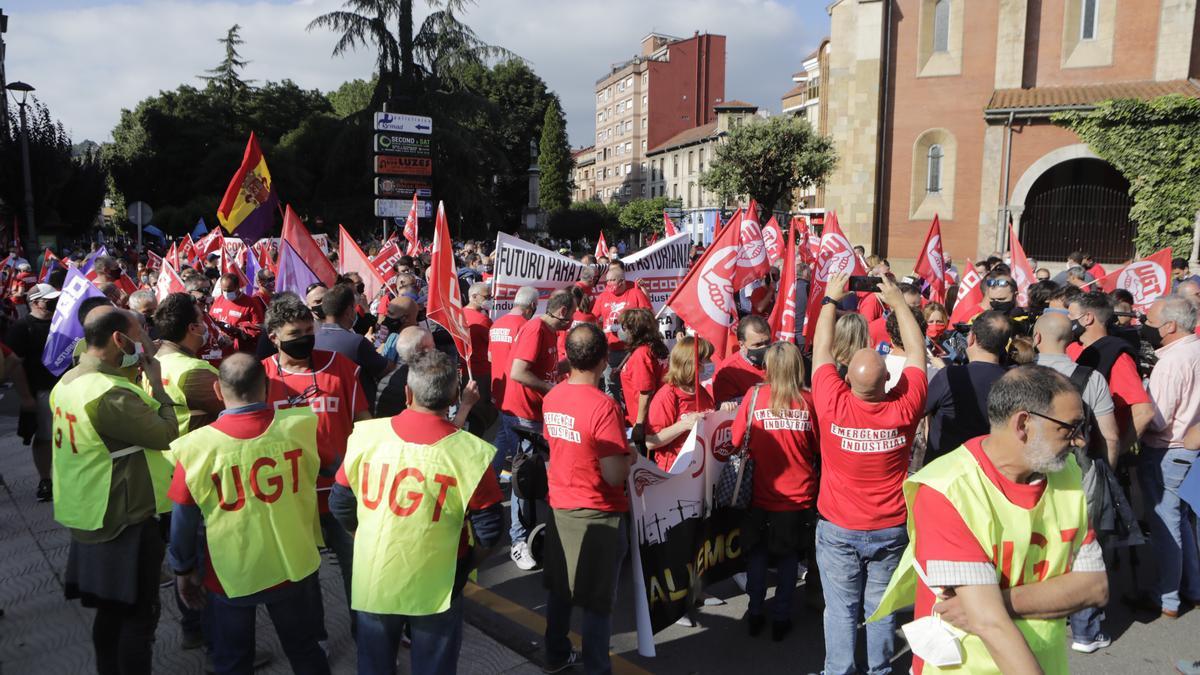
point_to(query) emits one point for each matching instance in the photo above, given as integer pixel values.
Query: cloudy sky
(91, 58)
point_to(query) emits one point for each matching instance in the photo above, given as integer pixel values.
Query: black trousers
(123, 635)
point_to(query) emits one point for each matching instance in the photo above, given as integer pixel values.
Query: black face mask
(392, 324)
(319, 312)
(1004, 307)
(299, 348)
(757, 356)
(1077, 329)
(1151, 336)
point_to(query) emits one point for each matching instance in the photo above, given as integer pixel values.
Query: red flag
(752, 262)
(153, 261)
(1146, 280)
(783, 314)
(262, 248)
(445, 306)
(410, 230)
(228, 265)
(384, 262)
(1021, 271)
(172, 257)
(601, 247)
(931, 266)
(969, 302)
(705, 298)
(168, 283)
(49, 261)
(836, 256)
(212, 242)
(352, 259)
(668, 226)
(803, 238)
(653, 238)
(296, 234)
(772, 236)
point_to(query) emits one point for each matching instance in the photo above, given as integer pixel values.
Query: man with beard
(1000, 543)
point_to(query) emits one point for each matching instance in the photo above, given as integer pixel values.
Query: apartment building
(675, 167)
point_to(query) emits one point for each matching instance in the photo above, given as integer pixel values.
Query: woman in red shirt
(676, 406)
(782, 516)
(583, 314)
(642, 371)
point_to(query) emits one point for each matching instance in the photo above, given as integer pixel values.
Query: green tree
(554, 162)
(646, 215)
(1156, 145)
(584, 220)
(227, 76)
(770, 160)
(364, 22)
(352, 97)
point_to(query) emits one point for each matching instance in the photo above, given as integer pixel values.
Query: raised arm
(835, 290)
(910, 330)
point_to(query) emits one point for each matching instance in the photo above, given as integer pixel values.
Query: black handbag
(735, 483)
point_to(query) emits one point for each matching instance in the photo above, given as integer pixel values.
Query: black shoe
(755, 624)
(45, 490)
(780, 629)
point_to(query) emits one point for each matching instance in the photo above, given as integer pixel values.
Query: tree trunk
(405, 30)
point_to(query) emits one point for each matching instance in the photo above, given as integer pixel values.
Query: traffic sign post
(412, 124)
(403, 147)
(140, 214)
(398, 208)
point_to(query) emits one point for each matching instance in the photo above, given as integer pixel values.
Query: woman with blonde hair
(782, 515)
(850, 334)
(677, 405)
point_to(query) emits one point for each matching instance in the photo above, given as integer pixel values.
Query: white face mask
(128, 360)
(486, 306)
(934, 640)
(707, 370)
(231, 295)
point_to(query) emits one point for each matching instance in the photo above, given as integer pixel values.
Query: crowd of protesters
(980, 470)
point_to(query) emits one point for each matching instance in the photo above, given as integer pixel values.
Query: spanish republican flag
(248, 209)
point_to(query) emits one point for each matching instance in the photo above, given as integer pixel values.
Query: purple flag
(252, 267)
(294, 274)
(91, 260)
(65, 329)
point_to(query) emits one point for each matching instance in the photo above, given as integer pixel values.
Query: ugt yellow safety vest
(175, 368)
(412, 501)
(259, 500)
(82, 468)
(1027, 545)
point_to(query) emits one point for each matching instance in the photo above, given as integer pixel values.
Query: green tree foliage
(1156, 145)
(68, 187)
(227, 76)
(584, 220)
(554, 162)
(352, 97)
(769, 160)
(646, 215)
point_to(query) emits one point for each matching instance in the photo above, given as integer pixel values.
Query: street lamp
(23, 89)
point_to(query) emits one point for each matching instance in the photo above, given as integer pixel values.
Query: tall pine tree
(554, 162)
(227, 75)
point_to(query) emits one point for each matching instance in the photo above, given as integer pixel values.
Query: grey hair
(588, 274)
(284, 309)
(1076, 272)
(196, 283)
(1030, 388)
(140, 299)
(1180, 310)
(527, 296)
(477, 288)
(105, 262)
(433, 380)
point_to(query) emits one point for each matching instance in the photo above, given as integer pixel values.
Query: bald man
(401, 314)
(410, 343)
(866, 440)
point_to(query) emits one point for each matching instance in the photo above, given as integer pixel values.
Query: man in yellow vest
(106, 433)
(407, 488)
(251, 478)
(1000, 545)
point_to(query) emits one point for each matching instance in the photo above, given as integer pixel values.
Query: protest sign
(65, 328)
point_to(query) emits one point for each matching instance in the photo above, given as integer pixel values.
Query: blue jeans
(856, 566)
(506, 443)
(436, 641)
(341, 542)
(517, 506)
(785, 581)
(1172, 523)
(1085, 624)
(290, 607)
(596, 629)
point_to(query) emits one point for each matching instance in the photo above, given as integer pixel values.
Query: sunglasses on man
(1078, 430)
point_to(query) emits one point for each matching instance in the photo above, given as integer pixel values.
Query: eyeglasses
(1081, 429)
(998, 283)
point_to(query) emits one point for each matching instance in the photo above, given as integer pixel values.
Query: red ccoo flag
(931, 266)
(836, 256)
(969, 302)
(669, 227)
(410, 230)
(601, 247)
(352, 259)
(168, 283)
(1021, 271)
(783, 314)
(445, 306)
(706, 296)
(307, 248)
(772, 236)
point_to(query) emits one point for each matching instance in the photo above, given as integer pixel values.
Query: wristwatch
(828, 301)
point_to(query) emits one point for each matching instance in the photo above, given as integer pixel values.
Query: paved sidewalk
(42, 632)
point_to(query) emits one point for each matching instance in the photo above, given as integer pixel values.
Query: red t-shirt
(500, 339)
(865, 449)
(1123, 380)
(877, 331)
(426, 429)
(213, 352)
(536, 344)
(242, 426)
(333, 392)
(784, 449)
(609, 306)
(734, 377)
(582, 425)
(870, 307)
(244, 313)
(478, 325)
(944, 536)
(667, 406)
(578, 318)
(642, 374)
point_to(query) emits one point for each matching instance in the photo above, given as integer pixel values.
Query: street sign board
(395, 143)
(674, 213)
(398, 208)
(412, 124)
(403, 187)
(410, 166)
(140, 213)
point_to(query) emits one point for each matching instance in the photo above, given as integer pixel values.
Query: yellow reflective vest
(412, 502)
(259, 500)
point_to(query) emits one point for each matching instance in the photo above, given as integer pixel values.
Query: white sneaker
(521, 556)
(740, 580)
(1100, 642)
